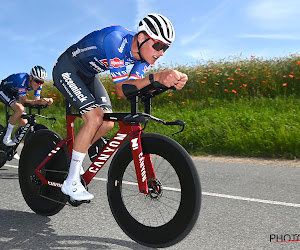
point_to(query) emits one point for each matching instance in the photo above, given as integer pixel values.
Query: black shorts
(7, 96)
(83, 93)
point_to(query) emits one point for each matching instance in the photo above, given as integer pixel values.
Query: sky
(37, 32)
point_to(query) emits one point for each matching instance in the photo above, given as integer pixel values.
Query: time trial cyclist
(13, 92)
(111, 48)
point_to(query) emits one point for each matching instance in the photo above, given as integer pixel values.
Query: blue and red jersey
(107, 49)
(19, 84)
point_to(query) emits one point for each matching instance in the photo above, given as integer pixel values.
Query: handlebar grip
(177, 122)
(154, 88)
(161, 86)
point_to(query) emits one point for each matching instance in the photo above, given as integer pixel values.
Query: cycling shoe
(76, 191)
(8, 142)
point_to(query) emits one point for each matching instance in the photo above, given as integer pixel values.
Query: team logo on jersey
(73, 87)
(78, 51)
(123, 45)
(22, 90)
(116, 62)
(99, 65)
(104, 62)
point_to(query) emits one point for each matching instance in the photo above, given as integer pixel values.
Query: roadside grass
(262, 127)
(236, 107)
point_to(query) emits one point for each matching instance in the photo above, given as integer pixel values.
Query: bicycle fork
(143, 164)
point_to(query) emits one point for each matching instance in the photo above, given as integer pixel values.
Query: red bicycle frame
(143, 164)
(127, 128)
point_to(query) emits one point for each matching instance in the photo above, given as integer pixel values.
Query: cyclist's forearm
(36, 101)
(139, 83)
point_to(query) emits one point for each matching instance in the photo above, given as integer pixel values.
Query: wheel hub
(35, 179)
(155, 189)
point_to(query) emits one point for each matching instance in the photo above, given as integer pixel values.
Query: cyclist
(111, 48)
(13, 92)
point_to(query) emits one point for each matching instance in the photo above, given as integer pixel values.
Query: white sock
(9, 130)
(75, 167)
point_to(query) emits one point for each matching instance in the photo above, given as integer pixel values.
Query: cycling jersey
(74, 73)
(18, 83)
(107, 49)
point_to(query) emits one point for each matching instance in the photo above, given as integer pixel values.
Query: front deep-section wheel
(43, 199)
(168, 213)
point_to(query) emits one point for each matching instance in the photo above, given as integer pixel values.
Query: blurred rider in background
(13, 92)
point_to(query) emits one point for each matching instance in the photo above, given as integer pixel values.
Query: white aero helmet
(158, 27)
(38, 72)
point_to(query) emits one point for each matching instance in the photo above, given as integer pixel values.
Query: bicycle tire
(36, 127)
(3, 158)
(147, 224)
(34, 192)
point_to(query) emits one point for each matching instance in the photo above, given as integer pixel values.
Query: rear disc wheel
(43, 199)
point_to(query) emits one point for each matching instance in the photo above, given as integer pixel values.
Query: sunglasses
(158, 46)
(38, 81)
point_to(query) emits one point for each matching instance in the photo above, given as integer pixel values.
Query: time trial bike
(153, 187)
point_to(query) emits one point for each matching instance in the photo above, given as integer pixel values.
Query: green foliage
(246, 107)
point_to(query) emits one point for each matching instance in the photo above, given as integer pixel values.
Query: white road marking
(212, 194)
(11, 166)
(252, 199)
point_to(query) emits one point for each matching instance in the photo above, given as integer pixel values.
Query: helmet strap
(139, 48)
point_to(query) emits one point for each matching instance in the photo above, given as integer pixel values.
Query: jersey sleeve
(115, 55)
(37, 93)
(138, 70)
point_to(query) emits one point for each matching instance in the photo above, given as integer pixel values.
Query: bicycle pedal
(86, 201)
(76, 203)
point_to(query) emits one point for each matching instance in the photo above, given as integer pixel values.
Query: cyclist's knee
(108, 125)
(18, 108)
(93, 119)
(94, 123)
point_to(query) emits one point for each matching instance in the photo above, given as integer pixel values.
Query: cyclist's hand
(182, 81)
(49, 101)
(171, 78)
(43, 101)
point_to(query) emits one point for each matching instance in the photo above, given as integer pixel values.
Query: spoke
(171, 199)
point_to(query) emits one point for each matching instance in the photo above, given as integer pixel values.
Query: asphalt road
(245, 205)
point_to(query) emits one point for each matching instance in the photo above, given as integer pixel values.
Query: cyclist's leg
(69, 83)
(97, 89)
(18, 109)
(8, 98)
(92, 120)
